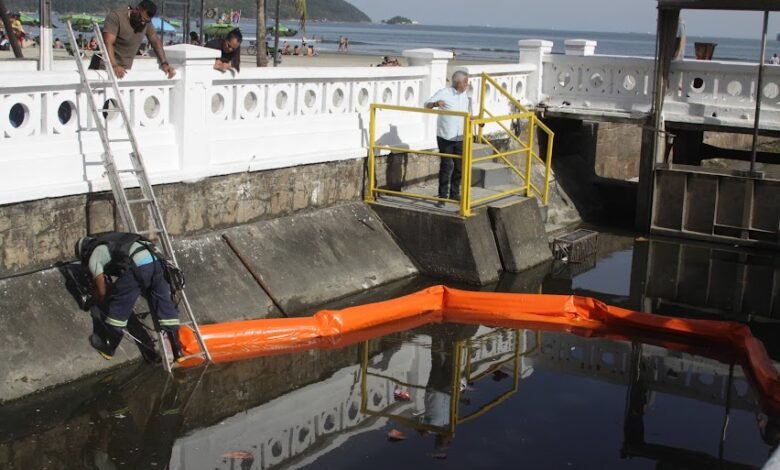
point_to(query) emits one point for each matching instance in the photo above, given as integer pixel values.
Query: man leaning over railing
(123, 32)
(449, 133)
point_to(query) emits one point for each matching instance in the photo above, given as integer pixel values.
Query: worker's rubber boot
(106, 343)
(173, 338)
(145, 342)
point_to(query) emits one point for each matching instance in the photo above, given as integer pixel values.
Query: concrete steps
(489, 174)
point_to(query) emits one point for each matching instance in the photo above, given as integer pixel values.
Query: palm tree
(262, 52)
(300, 7)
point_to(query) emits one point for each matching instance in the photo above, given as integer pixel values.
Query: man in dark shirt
(123, 32)
(230, 47)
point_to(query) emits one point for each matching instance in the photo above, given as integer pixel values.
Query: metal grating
(575, 247)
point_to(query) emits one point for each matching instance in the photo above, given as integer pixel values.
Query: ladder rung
(119, 140)
(138, 201)
(100, 83)
(127, 171)
(110, 110)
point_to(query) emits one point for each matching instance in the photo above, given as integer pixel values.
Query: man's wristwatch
(163, 64)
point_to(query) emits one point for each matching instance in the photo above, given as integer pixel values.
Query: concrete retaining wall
(36, 234)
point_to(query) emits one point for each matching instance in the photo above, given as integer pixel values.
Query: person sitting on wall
(286, 49)
(310, 51)
(389, 61)
(296, 50)
(124, 266)
(194, 38)
(123, 32)
(92, 45)
(230, 47)
(57, 44)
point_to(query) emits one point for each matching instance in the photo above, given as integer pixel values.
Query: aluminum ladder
(138, 172)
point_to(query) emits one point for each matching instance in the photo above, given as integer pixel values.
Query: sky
(631, 16)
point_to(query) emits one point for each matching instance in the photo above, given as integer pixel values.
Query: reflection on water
(477, 396)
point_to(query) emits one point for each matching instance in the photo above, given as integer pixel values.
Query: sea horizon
(485, 42)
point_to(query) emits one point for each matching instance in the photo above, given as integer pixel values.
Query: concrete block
(520, 234)
(219, 287)
(490, 175)
(446, 246)
(311, 258)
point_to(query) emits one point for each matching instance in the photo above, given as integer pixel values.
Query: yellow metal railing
(478, 122)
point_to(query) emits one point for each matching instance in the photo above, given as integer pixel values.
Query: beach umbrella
(83, 22)
(166, 26)
(28, 20)
(284, 31)
(219, 29)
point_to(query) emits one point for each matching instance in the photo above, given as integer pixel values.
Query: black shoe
(455, 197)
(440, 204)
(102, 346)
(150, 355)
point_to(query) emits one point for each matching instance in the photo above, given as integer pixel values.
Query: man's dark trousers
(450, 168)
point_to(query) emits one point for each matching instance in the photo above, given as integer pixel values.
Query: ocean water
(486, 42)
(501, 43)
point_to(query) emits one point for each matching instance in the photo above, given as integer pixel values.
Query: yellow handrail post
(371, 155)
(465, 180)
(548, 165)
(482, 88)
(529, 159)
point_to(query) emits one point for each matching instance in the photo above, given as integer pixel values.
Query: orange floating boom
(727, 341)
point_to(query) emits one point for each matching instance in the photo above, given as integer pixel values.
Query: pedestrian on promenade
(123, 32)
(230, 47)
(449, 133)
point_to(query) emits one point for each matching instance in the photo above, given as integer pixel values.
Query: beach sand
(323, 59)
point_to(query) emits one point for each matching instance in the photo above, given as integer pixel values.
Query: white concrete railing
(204, 123)
(606, 84)
(723, 93)
(700, 92)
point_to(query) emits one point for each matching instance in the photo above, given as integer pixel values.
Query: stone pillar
(581, 47)
(436, 61)
(191, 104)
(532, 51)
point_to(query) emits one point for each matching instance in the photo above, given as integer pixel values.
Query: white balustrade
(722, 93)
(204, 123)
(597, 84)
(201, 123)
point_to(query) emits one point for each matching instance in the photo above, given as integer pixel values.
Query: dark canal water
(447, 396)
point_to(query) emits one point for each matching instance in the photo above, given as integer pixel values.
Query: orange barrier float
(584, 316)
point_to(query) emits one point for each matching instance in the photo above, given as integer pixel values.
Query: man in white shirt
(449, 134)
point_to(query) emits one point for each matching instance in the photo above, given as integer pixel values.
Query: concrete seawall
(307, 259)
(303, 229)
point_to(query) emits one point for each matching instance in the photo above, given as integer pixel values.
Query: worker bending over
(124, 266)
